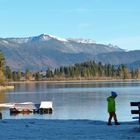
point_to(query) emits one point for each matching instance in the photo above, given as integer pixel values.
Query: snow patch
(5, 42)
(58, 38)
(84, 41)
(46, 37)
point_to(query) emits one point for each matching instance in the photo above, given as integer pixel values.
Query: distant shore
(73, 81)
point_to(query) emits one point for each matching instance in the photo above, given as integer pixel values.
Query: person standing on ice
(112, 108)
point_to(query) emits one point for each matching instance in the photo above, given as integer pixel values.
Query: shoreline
(6, 87)
(34, 129)
(75, 81)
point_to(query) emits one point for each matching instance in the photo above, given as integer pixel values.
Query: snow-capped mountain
(40, 52)
(46, 37)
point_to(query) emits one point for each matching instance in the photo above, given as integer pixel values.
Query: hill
(43, 51)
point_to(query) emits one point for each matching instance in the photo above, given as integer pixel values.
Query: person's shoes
(109, 123)
(117, 123)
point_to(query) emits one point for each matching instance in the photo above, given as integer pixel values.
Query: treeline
(17, 75)
(85, 70)
(92, 70)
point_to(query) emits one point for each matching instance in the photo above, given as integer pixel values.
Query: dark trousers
(112, 115)
(0, 115)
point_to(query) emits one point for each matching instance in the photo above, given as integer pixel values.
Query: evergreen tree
(2, 78)
(8, 73)
(133, 74)
(14, 76)
(27, 74)
(2, 61)
(137, 74)
(62, 71)
(124, 72)
(2, 65)
(67, 71)
(49, 73)
(19, 75)
(113, 71)
(37, 76)
(100, 69)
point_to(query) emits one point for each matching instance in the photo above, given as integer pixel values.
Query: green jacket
(111, 104)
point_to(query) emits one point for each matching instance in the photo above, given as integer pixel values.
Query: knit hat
(114, 94)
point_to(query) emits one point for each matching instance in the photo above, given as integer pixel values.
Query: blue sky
(105, 21)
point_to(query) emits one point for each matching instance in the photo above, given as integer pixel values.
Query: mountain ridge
(43, 51)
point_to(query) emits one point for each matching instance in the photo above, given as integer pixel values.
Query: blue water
(85, 100)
